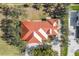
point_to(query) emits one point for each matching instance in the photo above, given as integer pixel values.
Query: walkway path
(57, 47)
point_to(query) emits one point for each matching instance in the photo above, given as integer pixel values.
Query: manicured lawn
(74, 7)
(64, 51)
(77, 53)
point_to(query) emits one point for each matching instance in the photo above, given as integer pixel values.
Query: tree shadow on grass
(7, 30)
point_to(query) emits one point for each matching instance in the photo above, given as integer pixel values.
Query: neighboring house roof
(37, 31)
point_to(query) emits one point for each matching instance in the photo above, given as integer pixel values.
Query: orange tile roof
(28, 27)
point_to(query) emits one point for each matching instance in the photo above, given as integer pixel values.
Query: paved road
(73, 46)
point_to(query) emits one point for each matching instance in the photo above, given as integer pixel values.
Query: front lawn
(64, 51)
(77, 53)
(74, 7)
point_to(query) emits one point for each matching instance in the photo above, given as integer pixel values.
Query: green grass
(8, 50)
(74, 7)
(77, 53)
(64, 49)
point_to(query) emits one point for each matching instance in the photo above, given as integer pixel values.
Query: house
(35, 32)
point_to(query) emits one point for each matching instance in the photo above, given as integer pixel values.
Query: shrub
(44, 50)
